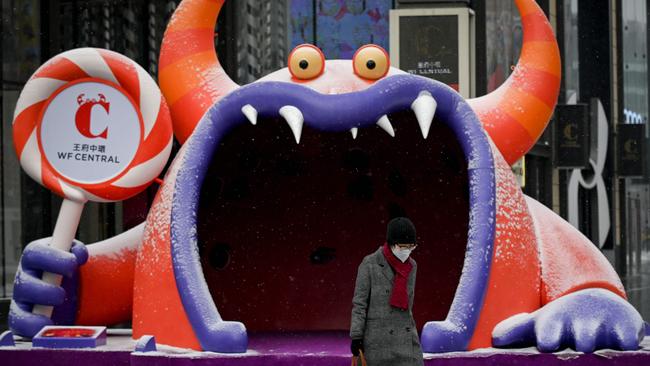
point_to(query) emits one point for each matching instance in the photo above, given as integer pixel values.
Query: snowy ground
(567, 353)
(120, 341)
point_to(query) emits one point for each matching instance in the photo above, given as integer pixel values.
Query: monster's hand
(29, 289)
(585, 320)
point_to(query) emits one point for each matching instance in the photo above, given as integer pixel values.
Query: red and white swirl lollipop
(90, 124)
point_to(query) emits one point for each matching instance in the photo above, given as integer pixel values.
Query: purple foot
(586, 320)
(226, 337)
(443, 336)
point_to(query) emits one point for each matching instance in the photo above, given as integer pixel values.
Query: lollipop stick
(64, 233)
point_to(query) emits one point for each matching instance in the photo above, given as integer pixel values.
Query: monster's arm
(106, 280)
(570, 262)
(582, 298)
(96, 287)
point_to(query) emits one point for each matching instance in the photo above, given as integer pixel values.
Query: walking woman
(382, 324)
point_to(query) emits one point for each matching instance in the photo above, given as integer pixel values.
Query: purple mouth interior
(332, 116)
(282, 227)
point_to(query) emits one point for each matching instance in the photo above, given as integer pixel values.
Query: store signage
(631, 141)
(631, 117)
(572, 135)
(429, 47)
(591, 179)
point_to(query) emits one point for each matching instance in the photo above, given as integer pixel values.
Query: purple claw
(585, 320)
(29, 289)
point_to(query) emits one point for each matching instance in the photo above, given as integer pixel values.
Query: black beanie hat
(400, 231)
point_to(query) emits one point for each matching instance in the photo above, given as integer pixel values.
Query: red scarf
(398, 297)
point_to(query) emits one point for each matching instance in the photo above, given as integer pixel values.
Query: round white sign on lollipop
(102, 141)
(90, 124)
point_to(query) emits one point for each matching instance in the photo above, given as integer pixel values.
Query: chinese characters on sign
(86, 152)
(427, 68)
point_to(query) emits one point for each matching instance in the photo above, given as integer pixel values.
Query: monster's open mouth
(281, 227)
(279, 220)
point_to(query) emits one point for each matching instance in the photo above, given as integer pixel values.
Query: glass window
(341, 26)
(503, 40)
(637, 190)
(27, 210)
(21, 55)
(571, 61)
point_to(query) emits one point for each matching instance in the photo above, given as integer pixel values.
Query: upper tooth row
(424, 107)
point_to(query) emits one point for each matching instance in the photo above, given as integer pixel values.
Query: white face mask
(402, 254)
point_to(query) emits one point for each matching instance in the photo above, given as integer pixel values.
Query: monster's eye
(306, 62)
(371, 62)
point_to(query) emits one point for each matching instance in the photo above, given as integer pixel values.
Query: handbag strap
(355, 359)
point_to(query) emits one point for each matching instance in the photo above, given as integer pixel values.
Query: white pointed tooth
(424, 107)
(384, 123)
(354, 131)
(250, 112)
(294, 118)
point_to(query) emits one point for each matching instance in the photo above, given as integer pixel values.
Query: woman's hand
(357, 344)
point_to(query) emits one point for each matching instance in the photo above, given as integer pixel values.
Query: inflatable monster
(528, 277)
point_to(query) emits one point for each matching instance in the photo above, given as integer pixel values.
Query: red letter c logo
(82, 117)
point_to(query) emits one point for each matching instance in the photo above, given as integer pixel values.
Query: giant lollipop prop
(90, 124)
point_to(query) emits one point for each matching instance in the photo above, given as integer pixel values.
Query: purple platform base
(296, 349)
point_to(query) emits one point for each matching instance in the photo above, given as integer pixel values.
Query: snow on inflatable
(246, 221)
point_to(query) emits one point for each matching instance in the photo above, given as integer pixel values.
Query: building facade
(604, 51)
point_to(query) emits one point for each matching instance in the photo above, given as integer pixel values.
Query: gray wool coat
(390, 337)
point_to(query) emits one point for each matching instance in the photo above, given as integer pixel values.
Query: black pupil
(303, 64)
(370, 64)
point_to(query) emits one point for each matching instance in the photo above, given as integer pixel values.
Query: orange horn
(516, 114)
(190, 75)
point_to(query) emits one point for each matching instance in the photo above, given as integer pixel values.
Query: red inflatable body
(270, 284)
